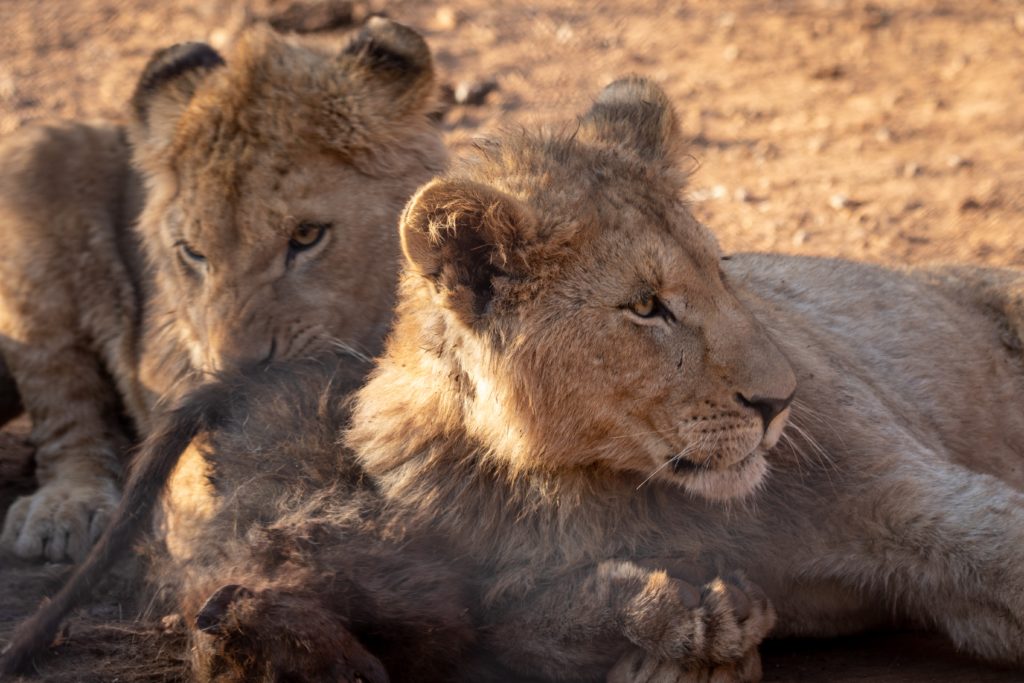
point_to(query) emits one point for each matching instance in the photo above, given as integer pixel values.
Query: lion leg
(582, 625)
(79, 442)
(943, 544)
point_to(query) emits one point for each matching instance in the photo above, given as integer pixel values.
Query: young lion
(588, 402)
(581, 392)
(245, 214)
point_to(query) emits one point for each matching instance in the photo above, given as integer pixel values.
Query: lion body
(141, 257)
(573, 444)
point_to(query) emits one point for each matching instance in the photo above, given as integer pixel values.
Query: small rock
(473, 93)
(841, 201)
(955, 161)
(800, 238)
(831, 73)
(741, 195)
(883, 135)
(874, 17)
(971, 204)
(911, 170)
(564, 34)
(446, 18)
(731, 53)
(719, 192)
(8, 87)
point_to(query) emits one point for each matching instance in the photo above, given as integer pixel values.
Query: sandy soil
(888, 131)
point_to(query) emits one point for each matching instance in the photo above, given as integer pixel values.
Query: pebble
(831, 72)
(911, 170)
(473, 93)
(799, 238)
(446, 18)
(956, 161)
(840, 201)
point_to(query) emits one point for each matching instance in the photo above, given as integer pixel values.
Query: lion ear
(167, 84)
(464, 236)
(635, 114)
(395, 61)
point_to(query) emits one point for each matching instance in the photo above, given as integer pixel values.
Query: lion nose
(768, 408)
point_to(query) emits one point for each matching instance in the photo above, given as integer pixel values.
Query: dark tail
(10, 400)
(202, 410)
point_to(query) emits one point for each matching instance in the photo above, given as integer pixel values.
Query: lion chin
(719, 484)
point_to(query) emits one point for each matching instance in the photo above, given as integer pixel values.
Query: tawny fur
(140, 258)
(584, 452)
(526, 408)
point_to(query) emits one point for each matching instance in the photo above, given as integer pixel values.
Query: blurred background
(890, 130)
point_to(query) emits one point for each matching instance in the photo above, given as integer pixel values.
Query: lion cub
(590, 404)
(245, 214)
(583, 394)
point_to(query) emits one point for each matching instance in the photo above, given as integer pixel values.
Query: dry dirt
(887, 131)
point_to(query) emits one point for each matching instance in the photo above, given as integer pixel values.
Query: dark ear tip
(168, 64)
(388, 45)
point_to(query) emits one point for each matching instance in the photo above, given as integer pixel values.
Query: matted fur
(296, 575)
(138, 259)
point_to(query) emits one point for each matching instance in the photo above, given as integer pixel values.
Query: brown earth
(887, 131)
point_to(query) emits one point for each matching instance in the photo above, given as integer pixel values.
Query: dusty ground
(888, 131)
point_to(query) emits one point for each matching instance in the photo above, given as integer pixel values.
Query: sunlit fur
(139, 258)
(520, 410)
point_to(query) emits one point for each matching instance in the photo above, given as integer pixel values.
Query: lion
(245, 214)
(595, 409)
(583, 393)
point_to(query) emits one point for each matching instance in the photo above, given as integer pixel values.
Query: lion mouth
(682, 465)
(728, 482)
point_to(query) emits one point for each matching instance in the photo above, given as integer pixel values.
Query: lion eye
(188, 253)
(650, 307)
(645, 307)
(307, 235)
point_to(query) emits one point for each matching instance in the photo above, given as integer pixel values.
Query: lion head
(274, 178)
(582, 311)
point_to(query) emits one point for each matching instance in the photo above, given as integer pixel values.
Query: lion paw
(637, 666)
(719, 625)
(61, 520)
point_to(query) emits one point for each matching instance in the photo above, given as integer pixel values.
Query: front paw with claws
(718, 626)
